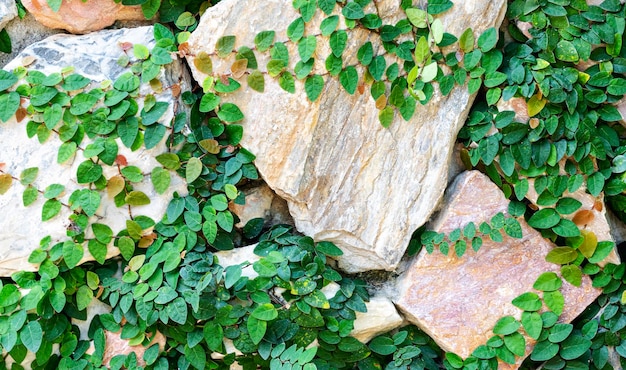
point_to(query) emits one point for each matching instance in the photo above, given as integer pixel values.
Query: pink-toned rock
(77, 16)
(517, 105)
(457, 301)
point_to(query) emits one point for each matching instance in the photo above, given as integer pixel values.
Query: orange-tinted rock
(457, 301)
(77, 16)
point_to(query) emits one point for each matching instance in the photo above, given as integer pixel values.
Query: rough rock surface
(93, 56)
(381, 317)
(262, 202)
(457, 301)
(77, 16)
(8, 11)
(340, 171)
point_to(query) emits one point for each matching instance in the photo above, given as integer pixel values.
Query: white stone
(381, 317)
(347, 179)
(238, 256)
(8, 11)
(93, 56)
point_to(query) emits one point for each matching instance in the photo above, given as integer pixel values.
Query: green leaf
(566, 51)
(264, 268)
(84, 295)
(567, 205)
(75, 82)
(256, 329)
(533, 325)
(161, 179)
(29, 196)
(488, 39)
(196, 356)
(377, 67)
(287, 82)
(516, 343)
(595, 184)
(177, 310)
(225, 220)
(338, 41)
(98, 250)
(566, 228)
(572, 274)
(317, 299)
(418, 17)
(136, 198)
(313, 87)
(544, 351)
(31, 336)
(50, 208)
(385, 116)
(439, 6)
(306, 48)
(382, 345)
(506, 325)
(193, 170)
(295, 30)
(7, 79)
(9, 103)
(265, 312)
(230, 113)
(328, 249)
(256, 81)
(127, 82)
(264, 40)
(150, 8)
(548, 281)
(72, 253)
(126, 247)
(153, 115)
(466, 41)
(353, 10)
(160, 56)
(544, 218)
(170, 161)
(52, 115)
(554, 301)
(574, 347)
(562, 255)
(527, 301)
(83, 103)
(329, 25)
(349, 79)
(559, 332)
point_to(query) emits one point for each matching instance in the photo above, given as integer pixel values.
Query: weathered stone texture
(93, 56)
(347, 179)
(262, 202)
(381, 317)
(77, 16)
(457, 301)
(8, 11)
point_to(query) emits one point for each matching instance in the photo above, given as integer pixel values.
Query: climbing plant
(296, 311)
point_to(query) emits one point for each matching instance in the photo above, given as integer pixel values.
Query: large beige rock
(457, 301)
(347, 179)
(77, 16)
(22, 230)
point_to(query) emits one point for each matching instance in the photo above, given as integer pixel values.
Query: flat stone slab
(457, 301)
(93, 56)
(343, 174)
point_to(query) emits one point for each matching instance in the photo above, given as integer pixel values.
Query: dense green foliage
(168, 279)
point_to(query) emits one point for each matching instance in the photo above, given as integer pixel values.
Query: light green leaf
(193, 170)
(31, 336)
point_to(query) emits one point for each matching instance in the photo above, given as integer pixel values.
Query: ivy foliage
(288, 308)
